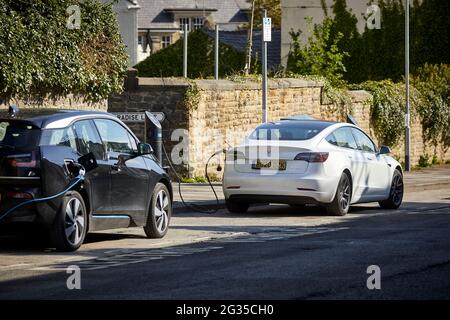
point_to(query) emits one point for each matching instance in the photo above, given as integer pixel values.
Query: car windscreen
(289, 130)
(18, 135)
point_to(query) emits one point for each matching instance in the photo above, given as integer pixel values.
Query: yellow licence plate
(270, 164)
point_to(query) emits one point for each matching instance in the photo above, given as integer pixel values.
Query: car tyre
(396, 193)
(160, 212)
(342, 198)
(70, 226)
(236, 207)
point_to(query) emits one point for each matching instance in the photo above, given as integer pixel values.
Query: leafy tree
(433, 82)
(273, 8)
(321, 55)
(41, 56)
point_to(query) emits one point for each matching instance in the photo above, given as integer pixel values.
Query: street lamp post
(408, 113)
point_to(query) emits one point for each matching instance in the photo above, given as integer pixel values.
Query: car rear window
(18, 135)
(289, 130)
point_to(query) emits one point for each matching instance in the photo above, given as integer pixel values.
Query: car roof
(292, 123)
(47, 118)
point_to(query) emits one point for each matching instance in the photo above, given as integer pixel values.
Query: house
(161, 22)
(127, 18)
(294, 13)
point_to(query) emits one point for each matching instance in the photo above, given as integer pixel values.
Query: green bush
(41, 56)
(168, 62)
(433, 83)
(321, 55)
(388, 109)
(424, 161)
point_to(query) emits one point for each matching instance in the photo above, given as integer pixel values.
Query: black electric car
(123, 185)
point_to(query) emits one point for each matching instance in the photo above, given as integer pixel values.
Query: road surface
(272, 252)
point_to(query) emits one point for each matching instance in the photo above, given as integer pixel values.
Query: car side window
(115, 137)
(363, 141)
(88, 139)
(59, 137)
(343, 138)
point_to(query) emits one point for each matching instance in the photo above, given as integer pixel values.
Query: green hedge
(41, 56)
(168, 62)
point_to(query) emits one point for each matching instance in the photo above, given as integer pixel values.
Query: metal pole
(407, 116)
(216, 54)
(185, 50)
(264, 73)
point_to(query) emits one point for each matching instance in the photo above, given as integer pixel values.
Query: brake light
(312, 156)
(22, 160)
(19, 195)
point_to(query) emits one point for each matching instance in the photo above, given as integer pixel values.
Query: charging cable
(195, 207)
(39, 200)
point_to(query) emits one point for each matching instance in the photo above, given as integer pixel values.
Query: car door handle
(116, 167)
(369, 158)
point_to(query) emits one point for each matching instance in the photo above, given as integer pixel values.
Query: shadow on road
(24, 239)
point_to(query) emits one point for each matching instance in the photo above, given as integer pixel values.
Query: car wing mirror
(385, 150)
(145, 148)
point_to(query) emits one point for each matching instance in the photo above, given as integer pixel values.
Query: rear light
(312, 156)
(27, 160)
(19, 195)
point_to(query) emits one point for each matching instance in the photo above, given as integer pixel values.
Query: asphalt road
(274, 252)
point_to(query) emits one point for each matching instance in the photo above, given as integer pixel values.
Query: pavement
(271, 252)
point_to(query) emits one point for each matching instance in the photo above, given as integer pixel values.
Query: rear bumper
(42, 213)
(292, 189)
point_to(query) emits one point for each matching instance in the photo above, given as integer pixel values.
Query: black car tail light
(18, 195)
(312, 156)
(26, 160)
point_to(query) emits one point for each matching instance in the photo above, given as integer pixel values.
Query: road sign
(267, 29)
(138, 116)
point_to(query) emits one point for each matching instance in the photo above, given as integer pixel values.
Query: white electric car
(300, 162)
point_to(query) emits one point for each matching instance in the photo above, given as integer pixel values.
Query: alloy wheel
(397, 189)
(74, 221)
(161, 211)
(344, 194)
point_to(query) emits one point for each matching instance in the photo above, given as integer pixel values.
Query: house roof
(238, 40)
(158, 14)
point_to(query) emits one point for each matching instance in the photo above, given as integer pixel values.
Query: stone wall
(70, 102)
(224, 112)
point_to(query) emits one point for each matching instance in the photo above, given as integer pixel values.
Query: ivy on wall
(433, 83)
(41, 56)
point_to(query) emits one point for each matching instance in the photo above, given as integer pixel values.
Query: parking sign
(267, 29)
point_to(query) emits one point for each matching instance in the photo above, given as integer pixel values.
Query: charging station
(153, 131)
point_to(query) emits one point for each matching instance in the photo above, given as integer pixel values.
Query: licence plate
(270, 164)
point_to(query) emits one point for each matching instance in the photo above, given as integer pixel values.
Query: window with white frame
(141, 42)
(185, 21)
(166, 41)
(197, 23)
